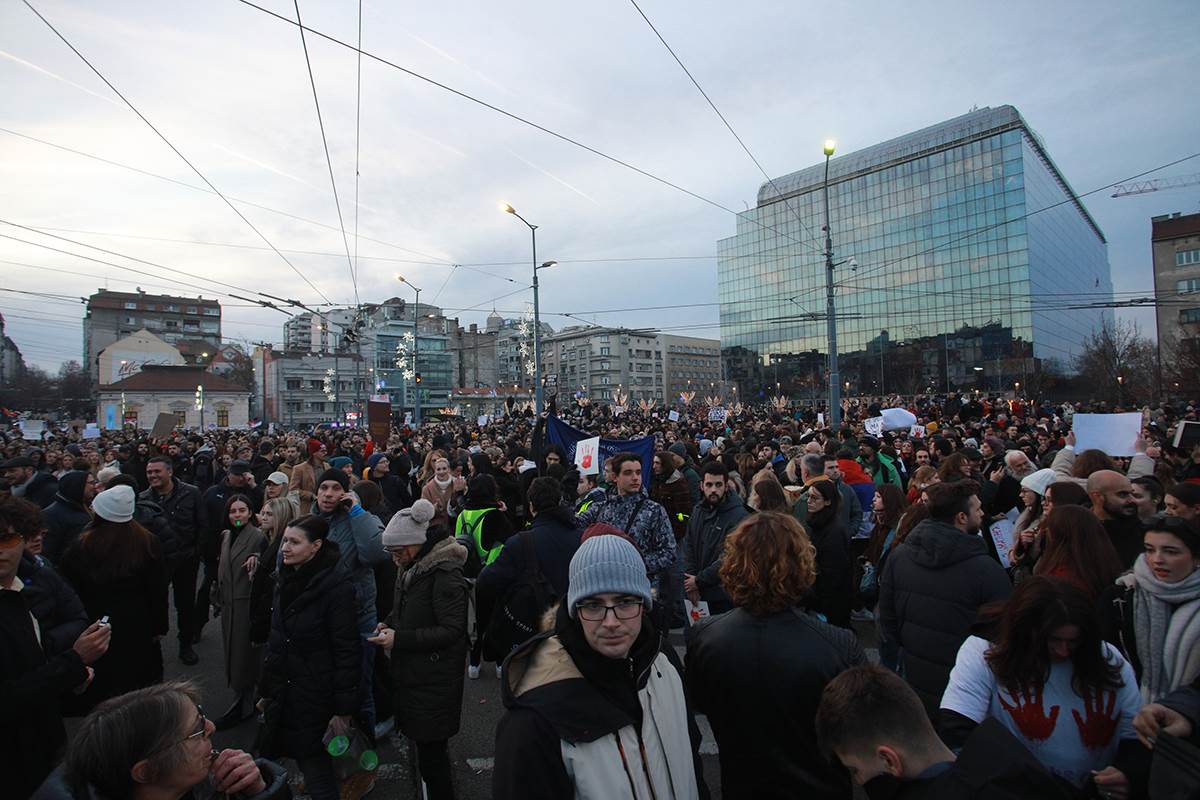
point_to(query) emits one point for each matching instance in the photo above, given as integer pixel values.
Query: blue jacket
(359, 537)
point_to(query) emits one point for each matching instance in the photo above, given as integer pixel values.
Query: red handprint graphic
(1097, 730)
(1029, 715)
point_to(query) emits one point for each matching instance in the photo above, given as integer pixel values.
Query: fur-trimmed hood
(444, 554)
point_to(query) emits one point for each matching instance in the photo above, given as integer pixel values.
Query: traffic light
(418, 377)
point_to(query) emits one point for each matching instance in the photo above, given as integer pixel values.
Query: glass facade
(942, 280)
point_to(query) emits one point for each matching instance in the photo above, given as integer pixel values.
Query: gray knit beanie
(409, 526)
(605, 564)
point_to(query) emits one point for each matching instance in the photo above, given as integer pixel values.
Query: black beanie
(335, 475)
(71, 485)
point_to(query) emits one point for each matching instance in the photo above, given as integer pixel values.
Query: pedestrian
(1027, 548)
(68, 514)
(312, 675)
(183, 507)
(1183, 500)
(303, 481)
(594, 708)
(117, 569)
(1046, 653)
(241, 545)
(441, 489)
(764, 726)
(156, 742)
(833, 589)
(482, 527)
(879, 466)
(767, 495)
(426, 637)
(670, 490)
(1113, 504)
(703, 546)
(872, 722)
(887, 507)
(934, 584)
(24, 480)
(273, 520)
(1153, 612)
(1074, 547)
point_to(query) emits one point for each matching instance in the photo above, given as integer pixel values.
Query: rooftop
(164, 378)
(1174, 226)
(103, 298)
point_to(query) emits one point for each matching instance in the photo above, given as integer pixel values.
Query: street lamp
(537, 318)
(1120, 390)
(835, 380)
(416, 351)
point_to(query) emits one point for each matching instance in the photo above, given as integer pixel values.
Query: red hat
(314, 446)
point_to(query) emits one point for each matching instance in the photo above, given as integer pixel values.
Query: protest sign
(673, 415)
(1115, 434)
(820, 419)
(91, 431)
(1187, 435)
(895, 419)
(917, 431)
(874, 426)
(717, 414)
(1002, 536)
(696, 611)
(163, 425)
(587, 456)
(32, 429)
(482, 421)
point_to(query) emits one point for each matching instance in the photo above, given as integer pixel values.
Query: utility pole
(200, 405)
(835, 377)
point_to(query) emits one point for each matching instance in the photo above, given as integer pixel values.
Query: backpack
(517, 616)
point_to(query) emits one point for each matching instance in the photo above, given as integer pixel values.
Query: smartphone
(104, 620)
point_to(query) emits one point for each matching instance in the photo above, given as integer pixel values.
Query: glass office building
(964, 261)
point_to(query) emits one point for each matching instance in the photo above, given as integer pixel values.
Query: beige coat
(242, 661)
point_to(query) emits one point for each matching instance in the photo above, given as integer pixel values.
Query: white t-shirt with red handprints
(1069, 734)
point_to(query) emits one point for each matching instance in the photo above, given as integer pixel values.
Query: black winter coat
(833, 591)
(184, 508)
(150, 515)
(137, 609)
(53, 603)
(313, 666)
(555, 540)
(704, 544)
(430, 621)
(929, 596)
(42, 489)
(759, 680)
(31, 728)
(65, 517)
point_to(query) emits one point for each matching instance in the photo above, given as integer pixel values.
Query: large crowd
(1036, 607)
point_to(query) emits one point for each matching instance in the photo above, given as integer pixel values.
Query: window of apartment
(605, 365)
(316, 385)
(1189, 316)
(316, 405)
(212, 312)
(172, 307)
(131, 320)
(1182, 259)
(222, 417)
(604, 337)
(295, 405)
(192, 310)
(171, 323)
(131, 306)
(1188, 285)
(210, 327)
(188, 325)
(604, 351)
(293, 384)
(604, 380)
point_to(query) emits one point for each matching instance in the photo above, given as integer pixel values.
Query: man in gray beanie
(599, 674)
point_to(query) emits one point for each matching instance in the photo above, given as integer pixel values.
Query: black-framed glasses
(201, 732)
(594, 611)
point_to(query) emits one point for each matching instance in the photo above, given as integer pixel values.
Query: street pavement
(471, 751)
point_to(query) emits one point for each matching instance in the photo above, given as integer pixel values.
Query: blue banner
(566, 437)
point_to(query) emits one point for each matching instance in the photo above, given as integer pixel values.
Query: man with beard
(1007, 493)
(712, 519)
(1113, 504)
(933, 586)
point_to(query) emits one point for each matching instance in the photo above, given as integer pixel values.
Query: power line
(357, 137)
(517, 118)
(728, 126)
(329, 160)
(176, 150)
(443, 286)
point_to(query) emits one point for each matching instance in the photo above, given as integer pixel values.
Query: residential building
(317, 334)
(690, 364)
(131, 354)
(1175, 240)
(138, 399)
(473, 355)
(115, 315)
(398, 324)
(12, 365)
(513, 336)
(964, 227)
(300, 388)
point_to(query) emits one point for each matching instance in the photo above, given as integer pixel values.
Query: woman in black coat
(426, 636)
(117, 569)
(834, 587)
(313, 666)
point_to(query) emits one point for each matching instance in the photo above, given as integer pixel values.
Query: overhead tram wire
(357, 137)
(522, 120)
(729, 127)
(328, 159)
(193, 187)
(176, 150)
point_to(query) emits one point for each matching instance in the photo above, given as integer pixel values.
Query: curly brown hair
(769, 563)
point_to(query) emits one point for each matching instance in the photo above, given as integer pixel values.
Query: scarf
(443, 485)
(1166, 627)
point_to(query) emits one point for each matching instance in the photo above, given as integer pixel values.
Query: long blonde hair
(282, 514)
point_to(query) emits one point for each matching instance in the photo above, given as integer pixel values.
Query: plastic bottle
(351, 753)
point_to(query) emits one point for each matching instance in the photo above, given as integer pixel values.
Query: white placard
(91, 431)
(32, 429)
(917, 431)
(1115, 434)
(587, 456)
(895, 419)
(717, 414)
(820, 419)
(696, 611)
(874, 426)
(673, 415)
(1001, 532)
(482, 421)
(618, 410)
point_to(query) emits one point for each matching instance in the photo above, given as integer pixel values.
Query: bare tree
(1118, 364)
(1181, 366)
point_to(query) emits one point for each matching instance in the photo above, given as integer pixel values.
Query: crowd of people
(1036, 608)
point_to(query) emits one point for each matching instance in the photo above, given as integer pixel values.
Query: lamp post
(200, 405)
(1120, 390)
(416, 352)
(537, 319)
(835, 378)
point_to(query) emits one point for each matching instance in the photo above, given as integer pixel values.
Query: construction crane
(1156, 185)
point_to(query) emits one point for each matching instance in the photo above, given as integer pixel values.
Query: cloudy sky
(1110, 88)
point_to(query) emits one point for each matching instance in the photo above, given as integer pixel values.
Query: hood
(445, 553)
(852, 472)
(938, 545)
(731, 501)
(70, 486)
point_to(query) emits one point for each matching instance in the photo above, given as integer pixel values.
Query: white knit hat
(1039, 481)
(409, 526)
(115, 504)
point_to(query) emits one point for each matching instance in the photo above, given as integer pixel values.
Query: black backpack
(517, 617)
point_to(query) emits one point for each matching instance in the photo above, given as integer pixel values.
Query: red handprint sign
(1097, 730)
(1030, 717)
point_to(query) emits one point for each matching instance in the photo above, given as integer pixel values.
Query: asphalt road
(471, 751)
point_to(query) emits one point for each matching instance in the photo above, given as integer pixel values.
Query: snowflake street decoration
(525, 344)
(779, 403)
(330, 390)
(405, 361)
(687, 397)
(712, 401)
